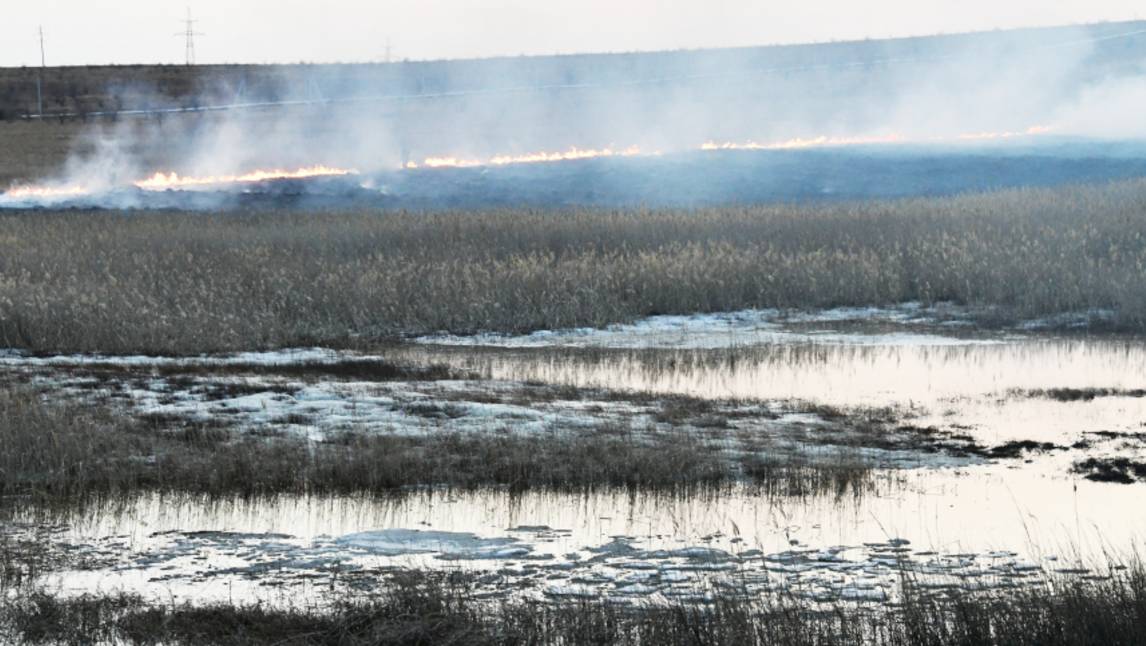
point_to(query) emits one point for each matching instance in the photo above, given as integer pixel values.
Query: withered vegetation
(69, 452)
(191, 282)
(429, 608)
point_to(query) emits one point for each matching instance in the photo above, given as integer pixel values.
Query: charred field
(779, 372)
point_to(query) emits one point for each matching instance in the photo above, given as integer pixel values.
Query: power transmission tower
(189, 34)
(40, 77)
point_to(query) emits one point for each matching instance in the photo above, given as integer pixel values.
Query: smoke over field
(958, 92)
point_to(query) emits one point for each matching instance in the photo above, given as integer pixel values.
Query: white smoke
(917, 88)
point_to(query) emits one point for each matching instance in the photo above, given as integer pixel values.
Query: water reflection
(969, 385)
(982, 526)
(1026, 511)
(834, 374)
(976, 509)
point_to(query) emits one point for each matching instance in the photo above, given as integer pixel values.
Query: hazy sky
(257, 31)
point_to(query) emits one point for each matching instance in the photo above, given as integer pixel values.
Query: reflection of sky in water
(859, 375)
(1025, 513)
(972, 509)
(955, 384)
(1036, 509)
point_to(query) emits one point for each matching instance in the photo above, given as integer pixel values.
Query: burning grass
(179, 283)
(434, 608)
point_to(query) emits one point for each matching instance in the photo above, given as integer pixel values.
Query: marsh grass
(70, 452)
(24, 557)
(1122, 470)
(793, 478)
(1082, 394)
(436, 608)
(370, 369)
(186, 283)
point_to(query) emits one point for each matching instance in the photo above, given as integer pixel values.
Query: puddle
(603, 544)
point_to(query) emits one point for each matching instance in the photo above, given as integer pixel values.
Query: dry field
(35, 150)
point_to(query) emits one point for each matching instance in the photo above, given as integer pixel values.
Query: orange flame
(24, 192)
(446, 162)
(1029, 132)
(529, 158)
(161, 181)
(799, 142)
(788, 144)
(825, 141)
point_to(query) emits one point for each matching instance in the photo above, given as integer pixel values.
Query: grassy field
(100, 88)
(95, 88)
(189, 283)
(34, 150)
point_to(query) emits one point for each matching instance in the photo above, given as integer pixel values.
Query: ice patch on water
(903, 313)
(1069, 320)
(268, 358)
(738, 329)
(451, 545)
(576, 591)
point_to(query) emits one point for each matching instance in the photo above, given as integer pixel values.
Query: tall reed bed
(191, 282)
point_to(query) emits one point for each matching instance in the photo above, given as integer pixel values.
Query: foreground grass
(433, 609)
(189, 282)
(67, 452)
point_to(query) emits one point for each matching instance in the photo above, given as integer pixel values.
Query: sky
(79, 32)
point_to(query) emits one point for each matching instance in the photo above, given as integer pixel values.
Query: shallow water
(990, 524)
(964, 384)
(975, 509)
(838, 374)
(981, 526)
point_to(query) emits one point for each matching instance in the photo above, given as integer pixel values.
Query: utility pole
(189, 35)
(40, 77)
